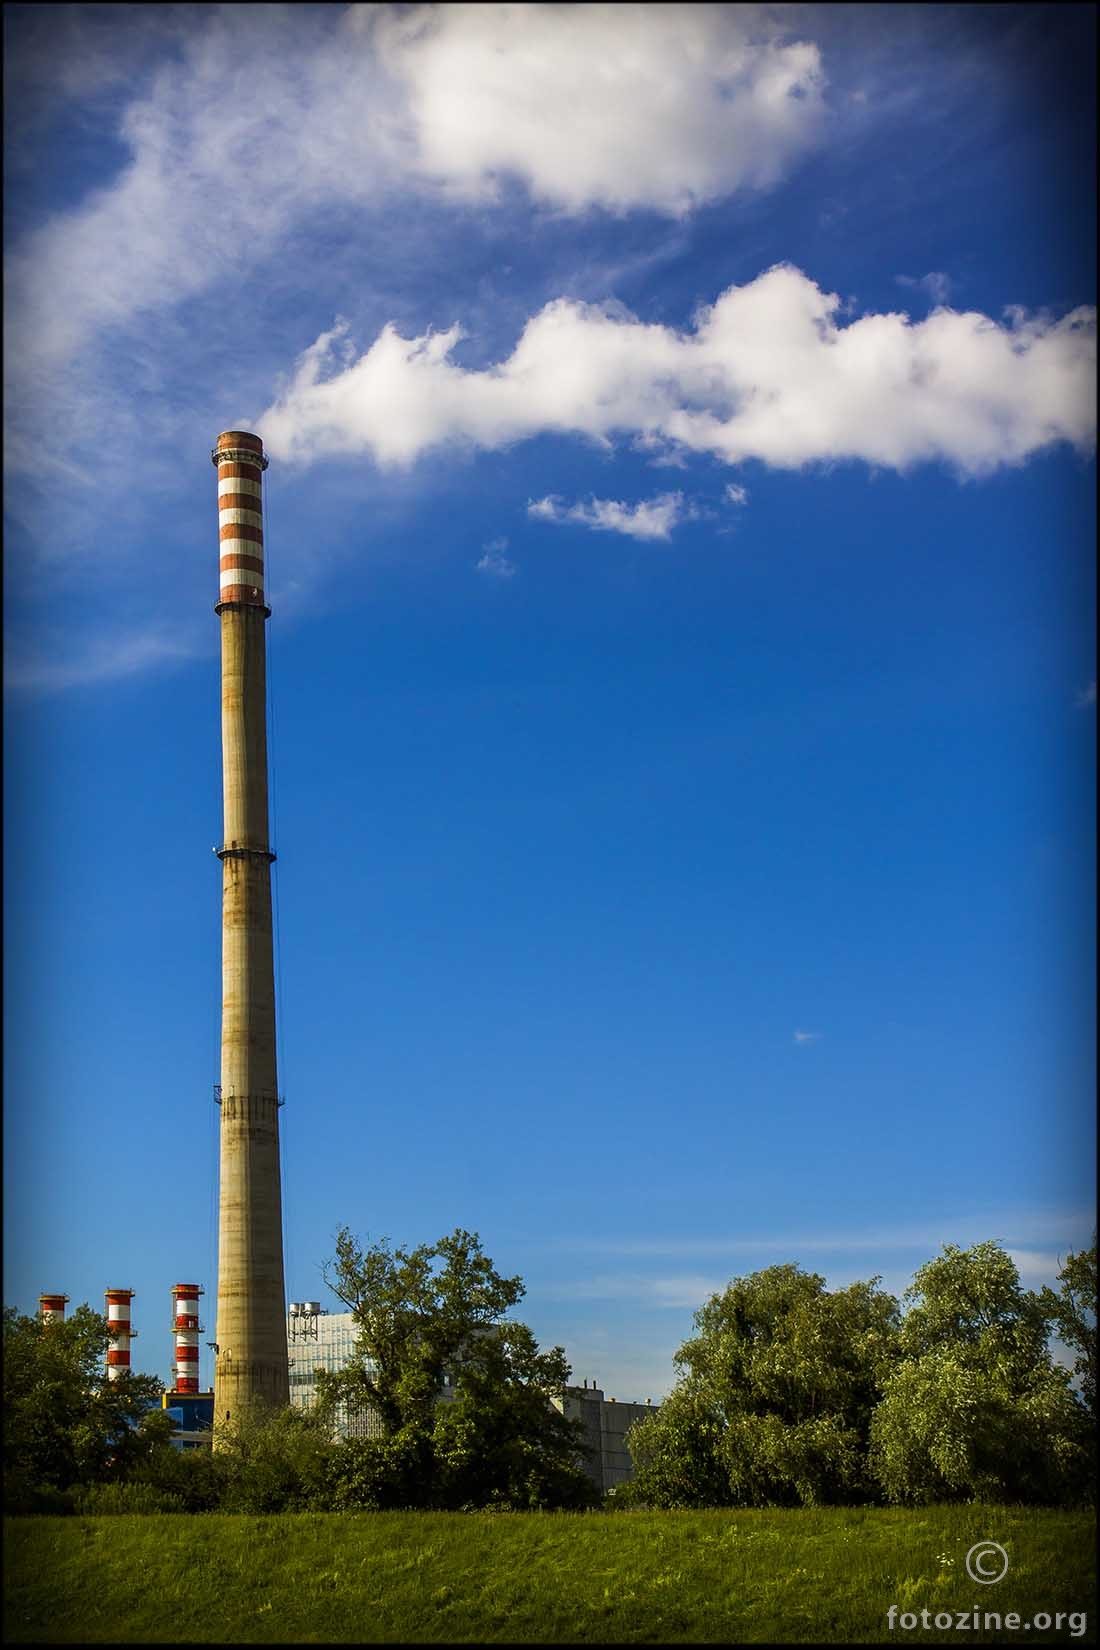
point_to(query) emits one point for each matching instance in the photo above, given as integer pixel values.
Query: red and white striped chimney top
(240, 461)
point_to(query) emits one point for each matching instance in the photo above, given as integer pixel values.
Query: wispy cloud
(649, 519)
(349, 107)
(735, 494)
(679, 1291)
(1087, 696)
(103, 660)
(769, 372)
(807, 1036)
(494, 562)
(688, 1290)
(935, 284)
(1019, 1228)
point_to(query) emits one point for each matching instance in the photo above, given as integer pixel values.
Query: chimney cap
(239, 445)
(240, 438)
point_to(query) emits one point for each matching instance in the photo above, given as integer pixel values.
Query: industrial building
(193, 1414)
(317, 1339)
(606, 1423)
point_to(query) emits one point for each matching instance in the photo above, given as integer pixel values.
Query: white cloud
(1087, 696)
(258, 119)
(649, 519)
(494, 562)
(807, 1036)
(936, 284)
(767, 372)
(735, 494)
(664, 106)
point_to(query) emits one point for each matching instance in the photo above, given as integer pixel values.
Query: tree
(976, 1409)
(1071, 1312)
(460, 1398)
(500, 1440)
(65, 1423)
(269, 1461)
(775, 1400)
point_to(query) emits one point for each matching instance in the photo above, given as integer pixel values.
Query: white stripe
(240, 518)
(239, 484)
(241, 575)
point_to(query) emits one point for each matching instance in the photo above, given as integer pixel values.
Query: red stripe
(239, 501)
(239, 530)
(242, 593)
(253, 564)
(245, 472)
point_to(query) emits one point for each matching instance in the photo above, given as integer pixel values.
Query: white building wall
(327, 1342)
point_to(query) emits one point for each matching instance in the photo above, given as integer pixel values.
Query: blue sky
(680, 540)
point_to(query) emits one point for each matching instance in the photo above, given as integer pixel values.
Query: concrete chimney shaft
(250, 1363)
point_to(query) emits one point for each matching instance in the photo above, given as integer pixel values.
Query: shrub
(98, 1499)
(272, 1461)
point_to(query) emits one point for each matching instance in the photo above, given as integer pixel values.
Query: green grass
(594, 1578)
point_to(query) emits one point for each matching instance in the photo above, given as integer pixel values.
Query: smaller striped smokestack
(187, 1330)
(118, 1327)
(52, 1308)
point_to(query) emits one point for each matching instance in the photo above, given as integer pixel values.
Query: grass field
(593, 1578)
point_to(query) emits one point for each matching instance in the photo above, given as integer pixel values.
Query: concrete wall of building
(606, 1423)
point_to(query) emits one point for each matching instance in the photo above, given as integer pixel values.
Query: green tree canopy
(775, 1398)
(460, 1396)
(976, 1407)
(65, 1423)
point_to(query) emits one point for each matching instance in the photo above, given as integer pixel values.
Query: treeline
(788, 1394)
(430, 1320)
(791, 1394)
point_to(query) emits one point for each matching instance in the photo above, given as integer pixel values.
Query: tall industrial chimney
(52, 1308)
(250, 1360)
